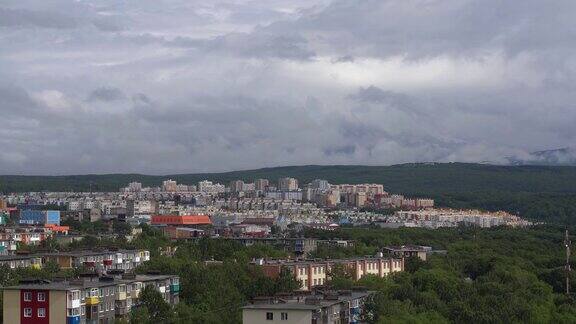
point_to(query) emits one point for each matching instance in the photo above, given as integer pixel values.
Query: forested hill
(540, 192)
(403, 178)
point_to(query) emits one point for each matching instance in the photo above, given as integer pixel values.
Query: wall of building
(34, 304)
(57, 308)
(11, 310)
(258, 316)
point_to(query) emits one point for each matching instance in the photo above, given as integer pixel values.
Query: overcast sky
(173, 86)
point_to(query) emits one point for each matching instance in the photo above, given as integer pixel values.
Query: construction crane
(567, 244)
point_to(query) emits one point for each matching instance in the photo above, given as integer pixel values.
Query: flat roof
(305, 262)
(291, 306)
(77, 285)
(17, 257)
(409, 248)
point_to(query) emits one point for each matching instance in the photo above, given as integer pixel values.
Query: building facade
(312, 273)
(98, 300)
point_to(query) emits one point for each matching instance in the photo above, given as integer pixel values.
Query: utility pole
(567, 245)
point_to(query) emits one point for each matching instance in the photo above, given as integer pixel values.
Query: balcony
(73, 303)
(135, 293)
(92, 300)
(121, 295)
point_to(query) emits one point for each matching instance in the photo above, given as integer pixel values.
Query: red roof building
(181, 220)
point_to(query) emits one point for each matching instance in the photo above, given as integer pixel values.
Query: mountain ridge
(406, 178)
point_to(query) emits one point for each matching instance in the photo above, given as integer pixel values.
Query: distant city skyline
(181, 86)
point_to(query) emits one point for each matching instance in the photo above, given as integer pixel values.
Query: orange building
(181, 220)
(57, 228)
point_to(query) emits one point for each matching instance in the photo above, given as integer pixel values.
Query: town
(108, 280)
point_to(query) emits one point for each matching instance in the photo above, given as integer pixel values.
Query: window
(27, 312)
(41, 296)
(269, 316)
(27, 296)
(284, 316)
(41, 312)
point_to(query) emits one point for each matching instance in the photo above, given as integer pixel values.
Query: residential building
(287, 184)
(89, 299)
(312, 273)
(319, 184)
(169, 186)
(406, 251)
(298, 246)
(237, 186)
(345, 306)
(126, 260)
(135, 187)
(181, 220)
(261, 184)
(35, 217)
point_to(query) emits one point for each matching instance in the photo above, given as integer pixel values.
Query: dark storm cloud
(221, 85)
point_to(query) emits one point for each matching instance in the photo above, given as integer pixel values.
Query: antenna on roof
(567, 244)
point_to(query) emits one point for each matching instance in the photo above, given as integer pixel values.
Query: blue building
(39, 217)
(53, 217)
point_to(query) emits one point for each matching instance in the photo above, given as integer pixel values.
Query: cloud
(107, 94)
(32, 18)
(188, 86)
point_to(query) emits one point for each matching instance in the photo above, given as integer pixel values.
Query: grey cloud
(344, 149)
(32, 18)
(264, 45)
(106, 94)
(228, 85)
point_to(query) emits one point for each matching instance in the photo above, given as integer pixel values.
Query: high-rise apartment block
(287, 184)
(261, 184)
(169, 186)
(236, 186)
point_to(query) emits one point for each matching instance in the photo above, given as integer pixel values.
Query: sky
(177, 86)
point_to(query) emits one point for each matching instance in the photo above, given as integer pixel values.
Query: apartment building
(126, 260)
(181, 220)
(370, 189)
(90, 299)
(21, 261)
(344, 306)
(287, 184)
(312, 273)
(406, 251)
(298, 246)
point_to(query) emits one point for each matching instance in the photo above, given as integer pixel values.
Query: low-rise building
(316, 272)
(180, 220)
(90, 299)
(298, 246)
(406, 251)
(315, 308)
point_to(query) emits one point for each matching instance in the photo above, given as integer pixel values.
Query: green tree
(152, 301)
